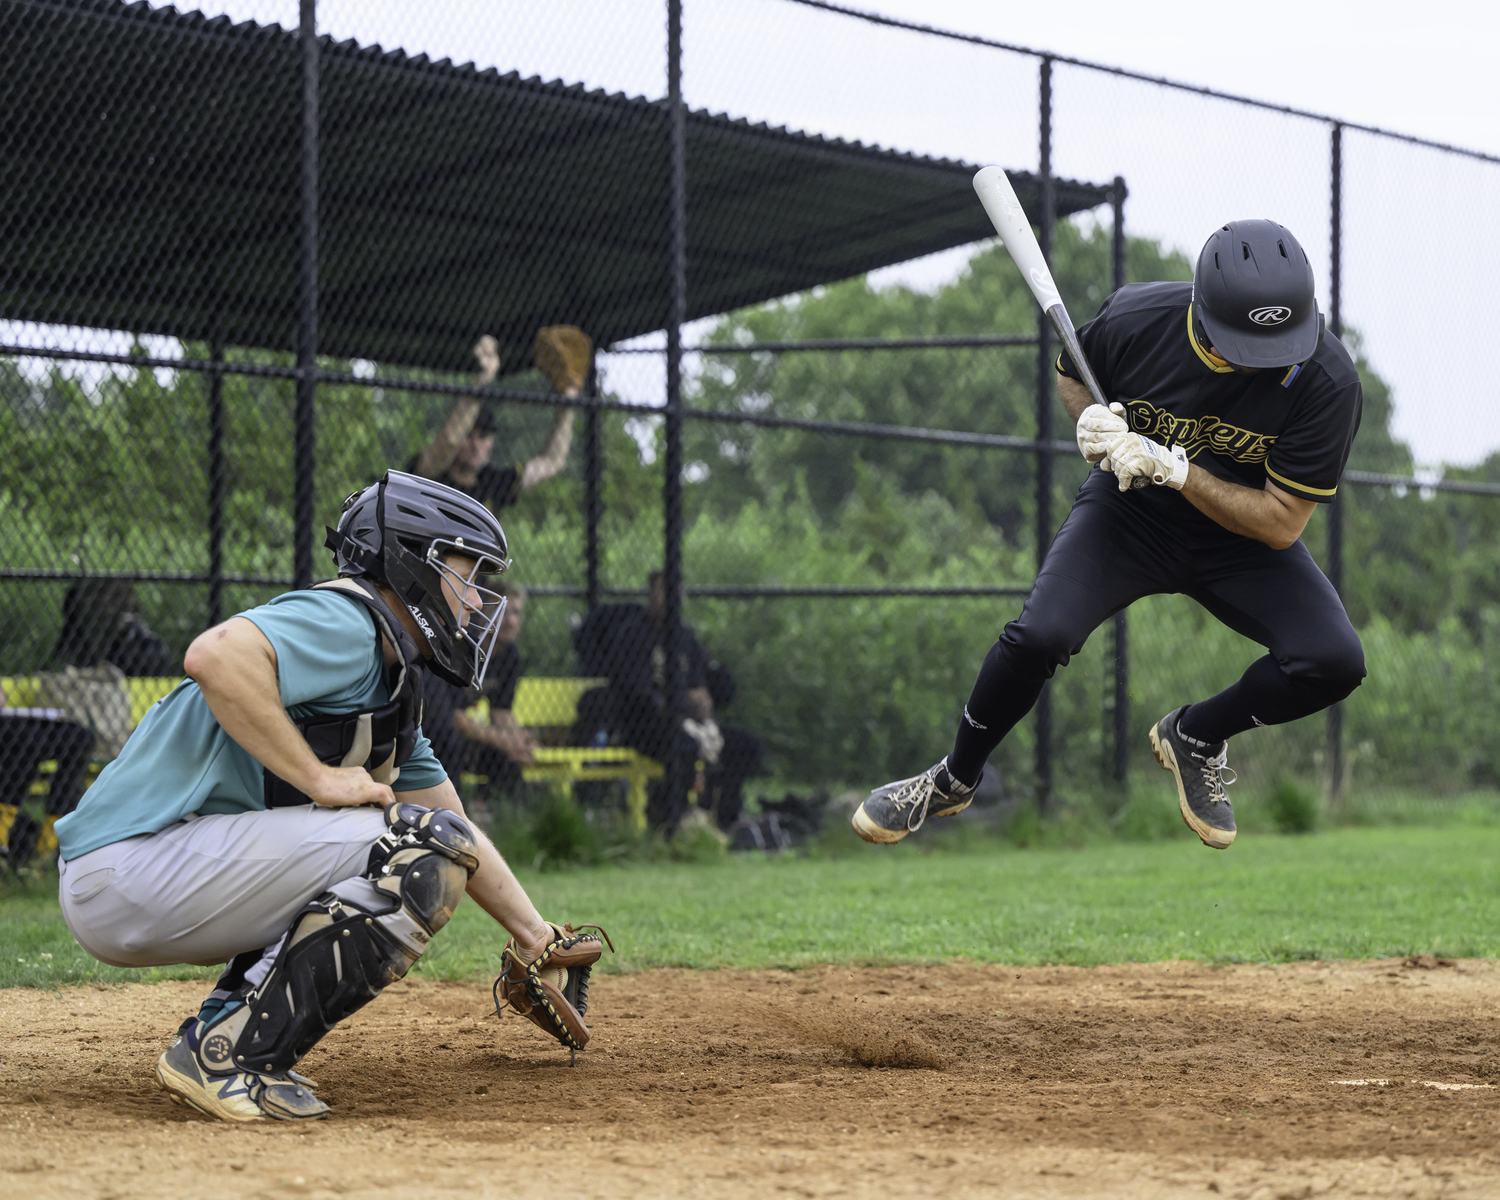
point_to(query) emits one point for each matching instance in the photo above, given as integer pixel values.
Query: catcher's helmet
(397, 532)
(1253, 295)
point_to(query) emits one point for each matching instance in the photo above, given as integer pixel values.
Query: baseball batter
(1235, 409)
(281, 811)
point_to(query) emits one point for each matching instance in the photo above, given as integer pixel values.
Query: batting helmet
(1253, 295)
(397, 532)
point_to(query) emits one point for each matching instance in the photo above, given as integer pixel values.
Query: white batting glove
(1136, 461)
(1097, 428)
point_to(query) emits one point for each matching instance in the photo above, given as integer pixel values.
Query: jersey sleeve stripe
(1301, 487)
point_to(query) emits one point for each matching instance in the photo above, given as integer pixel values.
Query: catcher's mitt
(553, 991)
(564, 352)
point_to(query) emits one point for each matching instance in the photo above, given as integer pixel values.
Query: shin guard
(349, 944)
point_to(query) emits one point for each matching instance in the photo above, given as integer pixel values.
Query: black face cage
(459, 618)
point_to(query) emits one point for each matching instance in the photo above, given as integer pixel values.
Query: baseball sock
(1002, 695)
(1263, 695)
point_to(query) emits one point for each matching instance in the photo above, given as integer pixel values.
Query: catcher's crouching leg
(349, 944)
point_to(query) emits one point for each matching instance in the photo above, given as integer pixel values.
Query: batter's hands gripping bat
(999, 200)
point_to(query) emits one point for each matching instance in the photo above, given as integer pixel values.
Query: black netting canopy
(164, 198)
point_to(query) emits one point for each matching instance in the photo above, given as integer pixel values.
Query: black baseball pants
(1115, 548)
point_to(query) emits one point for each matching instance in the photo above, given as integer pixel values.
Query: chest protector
(378, 739)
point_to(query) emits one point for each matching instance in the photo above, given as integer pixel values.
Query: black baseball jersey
(496, 487)
(1294, 425)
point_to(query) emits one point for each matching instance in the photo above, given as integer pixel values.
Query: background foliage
(106, 469)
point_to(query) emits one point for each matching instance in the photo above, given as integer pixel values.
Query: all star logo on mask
(421, 622)
(1271, 314)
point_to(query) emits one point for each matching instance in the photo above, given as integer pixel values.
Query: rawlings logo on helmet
(1271, 314)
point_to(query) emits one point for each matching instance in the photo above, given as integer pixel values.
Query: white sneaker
(236, 1096)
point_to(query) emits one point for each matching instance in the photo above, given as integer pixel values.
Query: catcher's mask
(399, 532)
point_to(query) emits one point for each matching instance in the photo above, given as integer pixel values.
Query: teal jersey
(179, 761)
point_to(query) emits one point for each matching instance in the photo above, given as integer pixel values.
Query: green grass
(1346, 893)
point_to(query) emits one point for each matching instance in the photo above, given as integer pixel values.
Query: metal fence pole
(307, 325)
(676, 315)
(593, 490)
(215, 488)
(1119, 277)
(1043, 767)
(1335, 731)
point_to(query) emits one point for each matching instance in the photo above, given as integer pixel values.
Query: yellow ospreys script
(1199, 433)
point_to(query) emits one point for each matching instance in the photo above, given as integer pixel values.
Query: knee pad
(349, 944)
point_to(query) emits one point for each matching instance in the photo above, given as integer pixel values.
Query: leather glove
(553, 991)
(1098, 427)
(1137, 461)
(563, 353)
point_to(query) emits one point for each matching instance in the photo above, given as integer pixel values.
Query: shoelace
(1218, 774)
(916, 792)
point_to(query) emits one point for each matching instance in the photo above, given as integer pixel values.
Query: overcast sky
(1421, 252)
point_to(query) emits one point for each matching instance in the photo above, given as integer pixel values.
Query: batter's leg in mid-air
(1106, 555)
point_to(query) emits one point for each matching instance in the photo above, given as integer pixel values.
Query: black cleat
(1202, 772)
(889, 813)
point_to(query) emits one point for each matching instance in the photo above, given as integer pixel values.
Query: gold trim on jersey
(1301, 487)
(1210, 360)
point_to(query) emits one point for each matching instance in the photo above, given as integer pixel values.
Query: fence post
(307, 325)
(593, 495)
(674, 784)
(215, 488)
(1335, 732)
(1118, 280)
(1044, 422)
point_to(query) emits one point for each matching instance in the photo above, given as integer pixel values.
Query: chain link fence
(251, 251)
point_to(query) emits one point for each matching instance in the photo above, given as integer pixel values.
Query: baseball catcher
(460, 454)
(281, 810)
(1231, 413)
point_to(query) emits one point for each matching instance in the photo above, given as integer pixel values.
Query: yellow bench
(540, 703)
(22, 691)
(543, 703)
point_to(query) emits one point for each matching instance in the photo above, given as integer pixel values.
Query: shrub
(561, 832)
(1293, 807)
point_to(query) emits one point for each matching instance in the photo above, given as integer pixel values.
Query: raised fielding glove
(1098, 427)
(1136, 461)
(564, 353)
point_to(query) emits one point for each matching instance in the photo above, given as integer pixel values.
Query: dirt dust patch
(886, 1041)
(1134, 1081)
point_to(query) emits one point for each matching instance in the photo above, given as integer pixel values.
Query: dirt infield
(1135, 1081)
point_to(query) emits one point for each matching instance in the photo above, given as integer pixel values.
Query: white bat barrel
(1014, 227)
